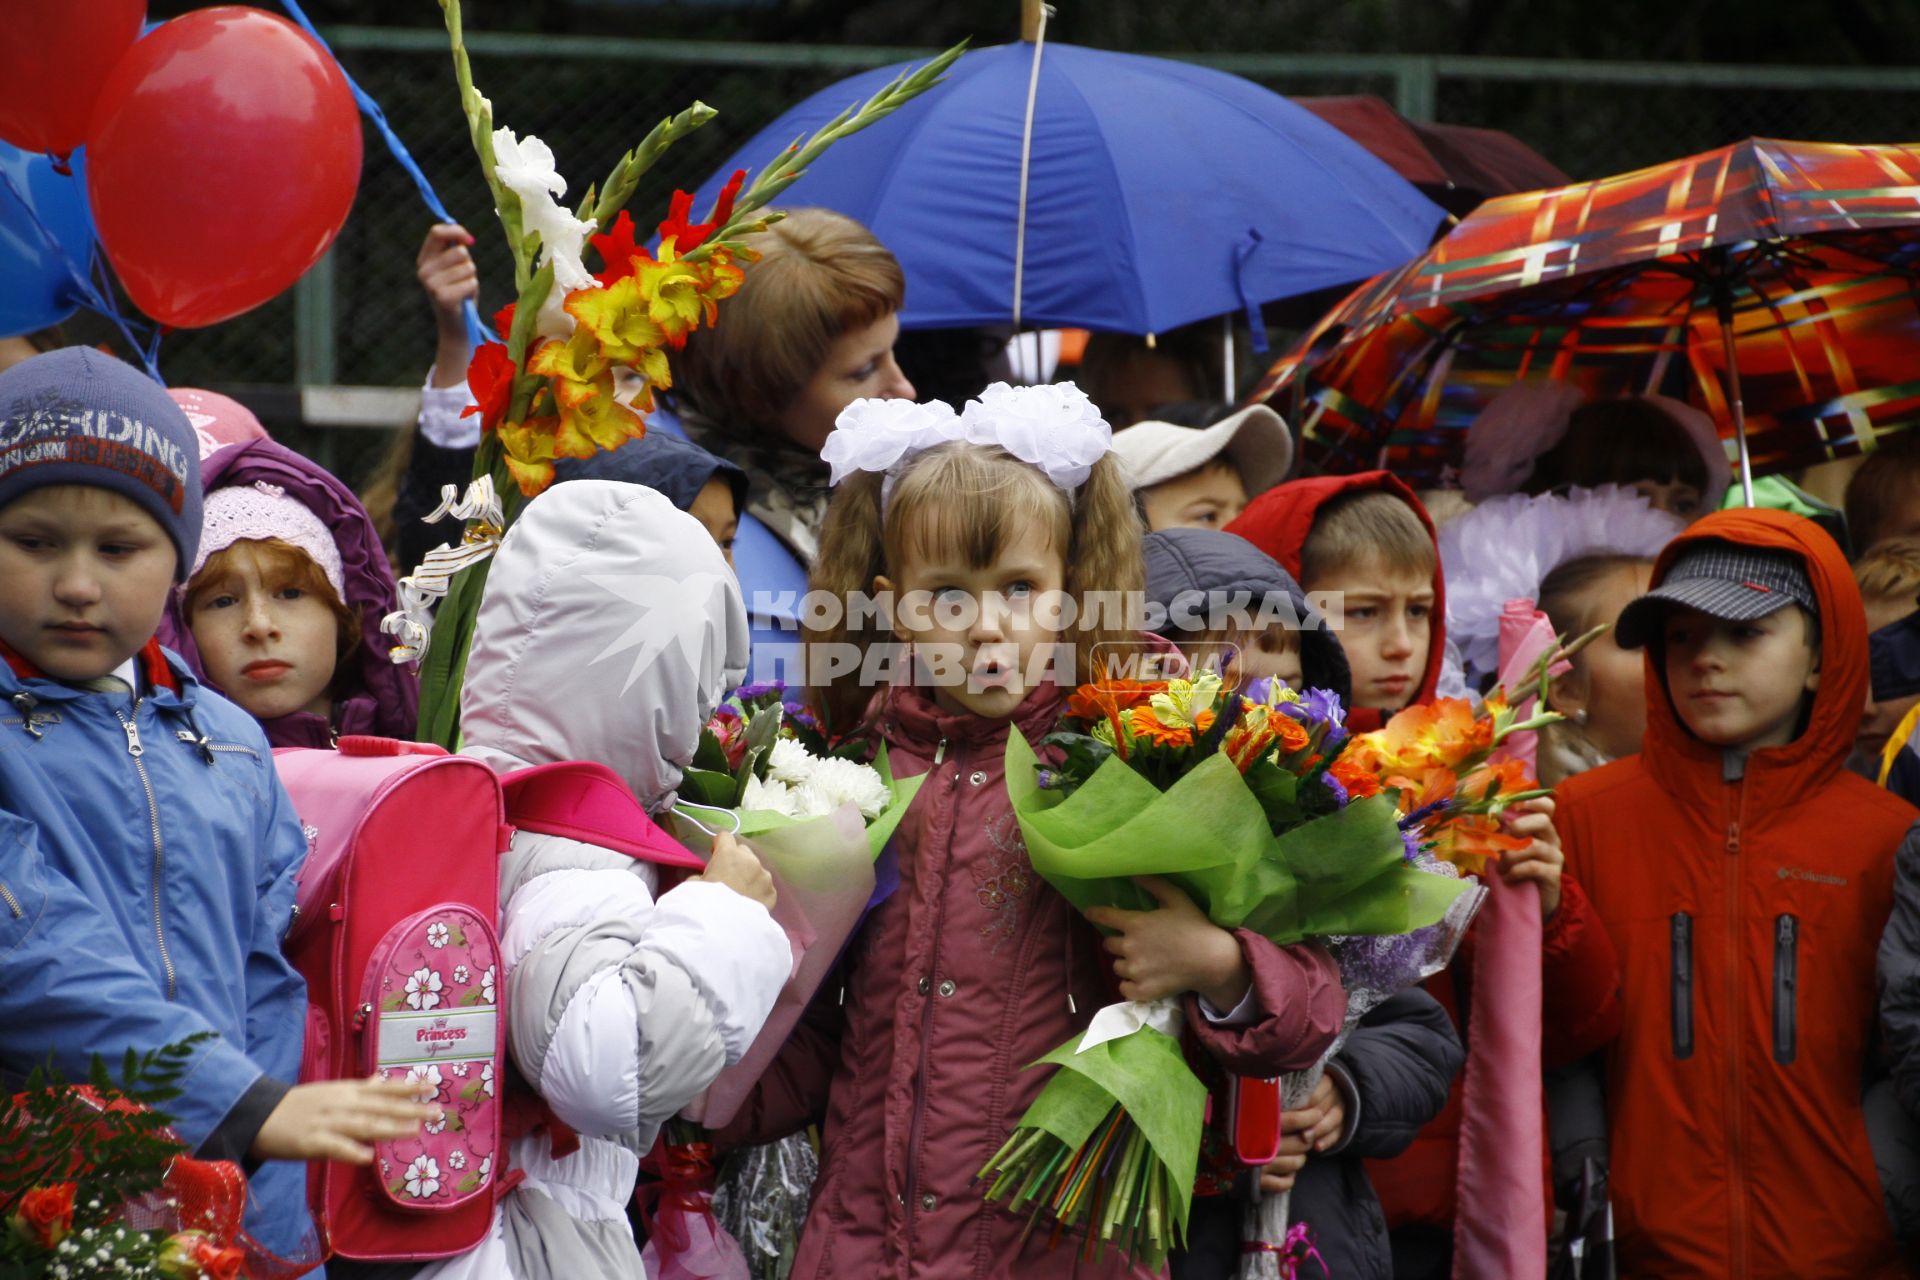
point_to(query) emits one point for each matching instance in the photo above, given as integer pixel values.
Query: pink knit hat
(258, 511)
(218, 420)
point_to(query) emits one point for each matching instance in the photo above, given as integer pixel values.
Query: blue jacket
(148, 892)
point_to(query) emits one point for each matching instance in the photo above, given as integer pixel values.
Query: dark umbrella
(1456, 166)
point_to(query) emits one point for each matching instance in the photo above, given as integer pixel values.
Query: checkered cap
(1722, 580)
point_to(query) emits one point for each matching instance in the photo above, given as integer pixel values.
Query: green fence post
(1414, 80)
(313, 349)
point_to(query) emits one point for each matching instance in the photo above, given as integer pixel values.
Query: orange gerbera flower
(1359, 784)
(1108, 699)
(1147, 726)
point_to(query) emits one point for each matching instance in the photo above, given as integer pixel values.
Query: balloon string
(477, 330)
(88, 294)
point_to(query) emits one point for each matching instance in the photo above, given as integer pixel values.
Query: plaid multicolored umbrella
(1778, 281)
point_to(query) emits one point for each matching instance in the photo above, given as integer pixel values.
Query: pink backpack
(396, 936)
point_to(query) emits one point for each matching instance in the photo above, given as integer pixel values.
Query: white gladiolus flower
(525, 166)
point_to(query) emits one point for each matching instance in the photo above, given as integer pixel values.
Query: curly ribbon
(412, 623)
(1297, 1248)
(1124, 1019)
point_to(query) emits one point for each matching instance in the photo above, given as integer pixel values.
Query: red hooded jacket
(1748, 905)
(1579, 979)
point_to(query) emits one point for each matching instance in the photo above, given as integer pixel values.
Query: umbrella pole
(1723, 305)
(1226, 357)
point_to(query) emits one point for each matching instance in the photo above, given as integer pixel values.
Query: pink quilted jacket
(972, 969)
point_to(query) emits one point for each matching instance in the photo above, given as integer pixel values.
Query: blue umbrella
(1158, 193)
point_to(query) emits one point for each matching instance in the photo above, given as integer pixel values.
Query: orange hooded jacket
(1746, 906)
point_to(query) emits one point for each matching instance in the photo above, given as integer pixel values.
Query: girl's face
(267, 644)
(1609, 683)
(980, 634)
(1272, 654)
(859, 365)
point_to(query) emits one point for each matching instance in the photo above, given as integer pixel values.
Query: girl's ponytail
(852, 554)
(1106, 575)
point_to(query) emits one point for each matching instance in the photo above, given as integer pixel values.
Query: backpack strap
(585, 800)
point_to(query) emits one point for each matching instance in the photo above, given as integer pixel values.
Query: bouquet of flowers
(584, 351)
(818, 812)
(1250, 804)
(96, 1184)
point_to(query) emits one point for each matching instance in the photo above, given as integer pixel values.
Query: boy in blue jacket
(158, 851)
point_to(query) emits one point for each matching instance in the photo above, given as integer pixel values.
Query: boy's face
(713, 508)
(84, 577)
(1740, 684)
(1205, 498)
(975, 630)
(1386, 629)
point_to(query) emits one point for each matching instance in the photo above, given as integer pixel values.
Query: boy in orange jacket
(1745, 877)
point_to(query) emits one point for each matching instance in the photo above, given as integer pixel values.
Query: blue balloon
(37, 288)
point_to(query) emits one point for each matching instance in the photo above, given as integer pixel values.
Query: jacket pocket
(1786, 983)
(1681, 934)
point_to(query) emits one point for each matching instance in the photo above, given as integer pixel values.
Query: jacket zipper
(1735, 1040)
(1786, 981)
(13, 903)
(137, 751)
(1681, 932)
(926, 1024)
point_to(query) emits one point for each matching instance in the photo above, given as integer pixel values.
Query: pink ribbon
(1500, 1229)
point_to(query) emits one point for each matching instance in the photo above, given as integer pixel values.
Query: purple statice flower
(798, 713)
(748, 693)
(1337, 788)
(1049, 780)
(1410, 843)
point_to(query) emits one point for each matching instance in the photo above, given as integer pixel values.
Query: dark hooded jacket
(676, 467)
(1747, 896)
(1279, 522)
(1194, 570)
(372, 694)
(1393, 1074)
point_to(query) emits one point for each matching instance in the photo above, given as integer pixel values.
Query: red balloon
(54, 57)
(222, 160)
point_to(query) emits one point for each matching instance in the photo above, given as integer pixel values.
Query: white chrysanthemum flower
(789, 762)
(769, 796)
(525, 166)
(850, 782)
(811, 800)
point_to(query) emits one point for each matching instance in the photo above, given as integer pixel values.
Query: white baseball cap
(1255, 440)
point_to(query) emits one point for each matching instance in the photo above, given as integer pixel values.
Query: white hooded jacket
(610, 627)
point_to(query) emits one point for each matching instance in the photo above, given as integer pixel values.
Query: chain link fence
(361, 318)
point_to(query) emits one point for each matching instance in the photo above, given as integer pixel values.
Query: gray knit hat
(78, 416)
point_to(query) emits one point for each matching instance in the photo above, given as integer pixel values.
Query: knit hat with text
(78, 416)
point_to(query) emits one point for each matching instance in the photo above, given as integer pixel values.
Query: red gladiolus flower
(490, 378)
(686, 235)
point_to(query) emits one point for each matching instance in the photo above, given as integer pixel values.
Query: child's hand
(1540, 861)
(734, 865)
(339, 1119)
(446, 271)
(1174, 949)
(1314, 1127)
